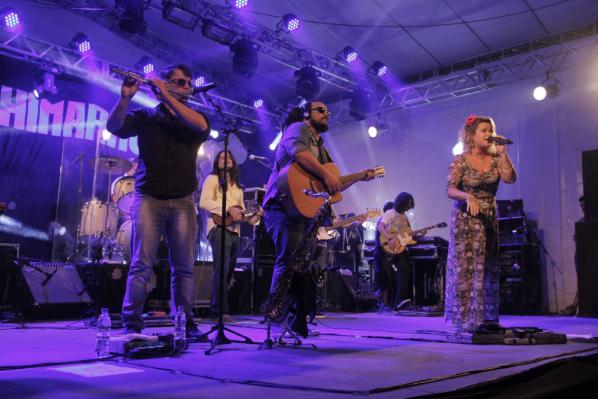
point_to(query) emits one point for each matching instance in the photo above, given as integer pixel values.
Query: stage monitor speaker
(428, 281)
(589, 162)
(586, 237)
(54, 283)
(203, 285)
(264, 267)
(349, 292)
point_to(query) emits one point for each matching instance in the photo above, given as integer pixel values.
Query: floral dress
(473, 270)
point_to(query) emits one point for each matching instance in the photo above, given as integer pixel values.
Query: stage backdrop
(549, 137)
(47, 151)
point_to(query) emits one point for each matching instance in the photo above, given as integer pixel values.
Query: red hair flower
(470, 120)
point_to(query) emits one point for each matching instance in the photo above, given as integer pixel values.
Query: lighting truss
(73, 63)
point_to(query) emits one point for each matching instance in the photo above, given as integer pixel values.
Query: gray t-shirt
(296, 138)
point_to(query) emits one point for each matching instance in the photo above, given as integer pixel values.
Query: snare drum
(97, 219)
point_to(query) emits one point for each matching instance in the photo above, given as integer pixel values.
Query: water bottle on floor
(103, 334)
(180, 324)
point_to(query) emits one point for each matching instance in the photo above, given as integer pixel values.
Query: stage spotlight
(214, 134)
(10, 18)
(238, 3)
(106, 134)
(217, 32)
(199, 81)
(275, 142)
(348, 54)
(45, 85)
(244, 57)
(458, 148)
(378, 68)
(308, 83)
(288, 23)
(372, 131)
(258, 103)
(145, 64)
(131, 16)
(178, 15)
(80, 43)
(361, 105)
(549, 88)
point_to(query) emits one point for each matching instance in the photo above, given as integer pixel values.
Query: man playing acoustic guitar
(301, 147)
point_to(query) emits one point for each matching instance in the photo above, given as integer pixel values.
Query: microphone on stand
(257, 158)
(201, 89)
(499, 140)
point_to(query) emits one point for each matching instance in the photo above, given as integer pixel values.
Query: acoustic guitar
(251, 208)
(326, 233)
(400, 239)
(293, 179)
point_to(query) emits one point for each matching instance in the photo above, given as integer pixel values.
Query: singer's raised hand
(500, 148)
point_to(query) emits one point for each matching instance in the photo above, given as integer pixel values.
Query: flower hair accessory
(470, 120)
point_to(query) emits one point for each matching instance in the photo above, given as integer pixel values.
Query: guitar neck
(353, 177)
(346, 221)
(425, 229)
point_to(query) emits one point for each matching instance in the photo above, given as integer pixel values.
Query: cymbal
(112, 164)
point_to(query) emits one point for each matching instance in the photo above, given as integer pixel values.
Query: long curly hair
(468, 131)
(233, 173)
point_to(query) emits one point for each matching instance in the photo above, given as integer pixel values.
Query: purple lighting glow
(199, 81)
(258, 103)
(241, 3)
(349, 54)
(11, 18)
(84, 46)
(291, 22)
(379, 68)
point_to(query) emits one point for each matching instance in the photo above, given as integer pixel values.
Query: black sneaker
(194, 334)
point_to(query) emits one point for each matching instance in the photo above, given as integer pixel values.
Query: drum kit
(99, 230)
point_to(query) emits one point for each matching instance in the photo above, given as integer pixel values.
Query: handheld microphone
(499, 140)
(257, 158)
(204, 88)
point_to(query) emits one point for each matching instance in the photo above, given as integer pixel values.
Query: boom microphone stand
(220, 338)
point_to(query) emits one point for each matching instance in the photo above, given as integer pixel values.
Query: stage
(359, 354)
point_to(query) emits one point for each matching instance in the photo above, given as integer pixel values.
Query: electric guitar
(400, 239)
(251, 208)
(326, 233)
(293, 179)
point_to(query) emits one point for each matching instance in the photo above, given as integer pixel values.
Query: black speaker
(349, 292)
(586, 259)
(203, 284)
(239, 294)
(589, 163)
(263, 269)
(54, 283)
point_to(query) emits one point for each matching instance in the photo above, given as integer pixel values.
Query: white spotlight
(540, 93)
(275, 142)
(106, 135)
(372, 131)
(214, 134)
(458, 148)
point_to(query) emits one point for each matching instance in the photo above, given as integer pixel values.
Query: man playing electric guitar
(211, 201)
(392, 290)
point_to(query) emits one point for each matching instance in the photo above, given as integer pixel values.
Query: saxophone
(276, 305)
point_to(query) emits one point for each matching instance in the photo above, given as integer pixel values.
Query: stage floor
(387, 355)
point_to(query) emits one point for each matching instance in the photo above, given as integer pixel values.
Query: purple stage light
(148, 68)
(80, 43)
(84, 46)
(291, 22)
(199, 81)
(241, 3)
(10, 18)
(145, 64)
(379, 68)
(258, 103)
(349, 54)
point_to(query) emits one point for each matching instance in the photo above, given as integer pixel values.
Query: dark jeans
(396, 282)
(231, 250)
(152, 217)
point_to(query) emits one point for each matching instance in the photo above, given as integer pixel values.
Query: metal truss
(483, 73)
(58, 59)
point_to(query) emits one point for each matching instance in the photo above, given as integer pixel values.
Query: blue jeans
(231, 250)
(152, 218)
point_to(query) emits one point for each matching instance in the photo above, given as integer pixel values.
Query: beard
(320, 127)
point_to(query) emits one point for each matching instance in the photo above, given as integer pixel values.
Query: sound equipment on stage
(263, 267)
(586, 263)
(497, 335)
(428, 261)
(509, 208)
(202, 275)
(239, 301)
(589, 164)
(349, 292)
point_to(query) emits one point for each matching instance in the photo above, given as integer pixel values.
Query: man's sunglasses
(180, 82)
(321, 110)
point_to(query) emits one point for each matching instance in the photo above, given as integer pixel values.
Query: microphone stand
(220, 338)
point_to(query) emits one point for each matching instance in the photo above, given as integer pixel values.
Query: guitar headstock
(373, 212)
(441, 225)
(378, 171)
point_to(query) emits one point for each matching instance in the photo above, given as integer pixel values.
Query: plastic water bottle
(103, 334)
(180, 324)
